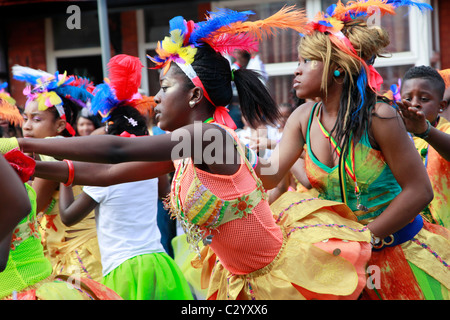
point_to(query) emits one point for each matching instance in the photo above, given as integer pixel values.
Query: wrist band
(425, 134)
(71, 173)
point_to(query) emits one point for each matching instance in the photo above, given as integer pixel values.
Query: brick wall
(129, 33)
(26, 47)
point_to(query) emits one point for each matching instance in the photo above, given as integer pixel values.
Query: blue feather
(4, 85)
(74, 92)
(421, 6)
(104, 100)
(330, 10)
(217, 20)
(29, 78)
(177, 23)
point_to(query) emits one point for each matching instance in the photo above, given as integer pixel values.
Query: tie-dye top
(439, 172)
(374, 177)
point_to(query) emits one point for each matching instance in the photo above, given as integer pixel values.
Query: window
(78, 51)
(278, 53)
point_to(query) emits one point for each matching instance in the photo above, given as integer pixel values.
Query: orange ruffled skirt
(324, 256)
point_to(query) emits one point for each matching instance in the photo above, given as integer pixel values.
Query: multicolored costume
(414, 262)
(438, 170)
(28, 274)
(297, 255)
(70, 249)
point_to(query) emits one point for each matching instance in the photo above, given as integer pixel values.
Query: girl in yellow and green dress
(53, 103)
(26, 273)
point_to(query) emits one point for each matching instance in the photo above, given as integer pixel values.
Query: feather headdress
(5, 95)
(332, 22)
(122, 84)
(10, 113)
(48, 89)
(224, 30)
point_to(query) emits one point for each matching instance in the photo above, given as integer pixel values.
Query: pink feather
(227, 43)
(125, 75)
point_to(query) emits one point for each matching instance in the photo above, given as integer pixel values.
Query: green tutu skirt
(153, 276)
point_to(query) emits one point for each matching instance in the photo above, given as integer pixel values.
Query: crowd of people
(302, 213)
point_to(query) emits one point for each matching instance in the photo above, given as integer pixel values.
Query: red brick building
(36, 34)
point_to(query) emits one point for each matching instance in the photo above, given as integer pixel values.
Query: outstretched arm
(103, 148)
(98, 174)
(287, 152)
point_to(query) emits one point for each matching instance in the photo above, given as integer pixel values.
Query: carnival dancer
(358, 152)
(216, 194)
(53, 103)
(134, 262)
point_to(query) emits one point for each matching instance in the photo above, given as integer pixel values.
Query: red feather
(125, 75)
(226, 43)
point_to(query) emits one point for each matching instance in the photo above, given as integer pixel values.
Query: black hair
(124, 117)
(257, 105)
(71, 110)
(429, 74)
(95, 119)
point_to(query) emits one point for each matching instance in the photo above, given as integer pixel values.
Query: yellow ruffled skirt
(324, 256)
(65, 288)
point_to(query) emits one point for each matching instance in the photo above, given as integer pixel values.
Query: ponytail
(257, 105)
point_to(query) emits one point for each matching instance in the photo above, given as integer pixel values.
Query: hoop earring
(336, 73)
(191, 103)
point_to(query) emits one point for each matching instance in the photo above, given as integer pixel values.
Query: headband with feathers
(332, 22)
(5, 95)
(225, 31)
(10, 113)
(47, 89)
(122, 84)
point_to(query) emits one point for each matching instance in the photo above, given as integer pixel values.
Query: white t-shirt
(126, 221)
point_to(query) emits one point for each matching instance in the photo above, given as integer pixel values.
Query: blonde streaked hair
(367, 42)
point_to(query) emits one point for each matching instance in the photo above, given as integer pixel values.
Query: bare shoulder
(300, 116)
(385, 111)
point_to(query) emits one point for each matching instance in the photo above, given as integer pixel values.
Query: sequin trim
(291, 205)
(331, 225)
(423, 245)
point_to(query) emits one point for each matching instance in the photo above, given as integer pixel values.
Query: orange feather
(287, 18)
(369, 6)
(10, 113)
